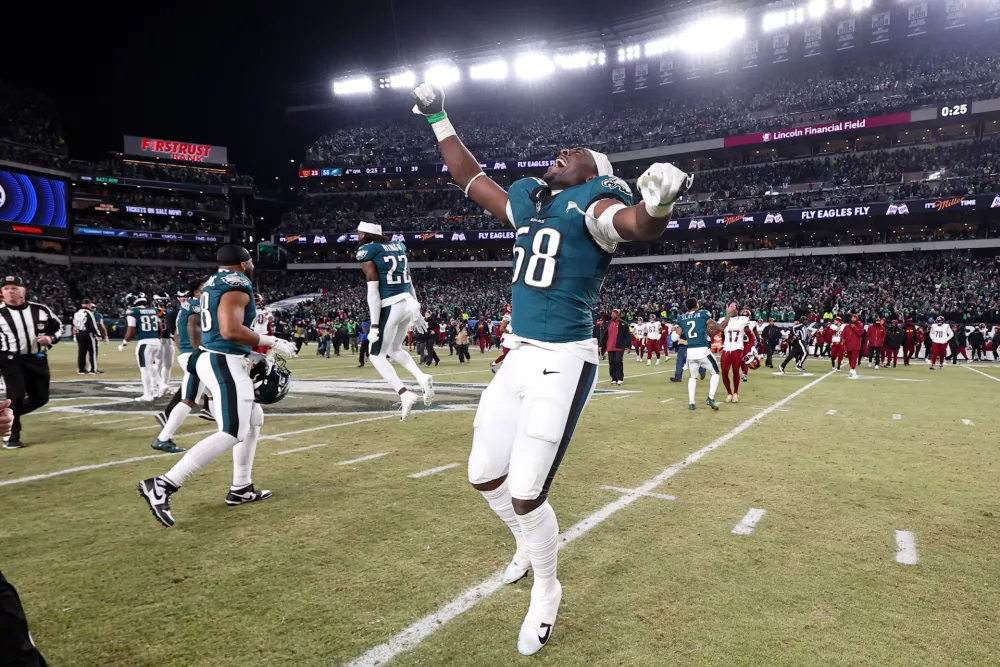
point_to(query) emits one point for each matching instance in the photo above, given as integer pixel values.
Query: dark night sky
(216, 72)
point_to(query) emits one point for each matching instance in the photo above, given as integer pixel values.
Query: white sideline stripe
(968, 422)
(906, 547)
(363, 458)
(281, 436)
(144, 428)
(412, 636)
(897, 417)
(985, 375)
(748, 522)
(831, 412)
(115, 421)
(34, 478)
(431, 471)
(618, 489)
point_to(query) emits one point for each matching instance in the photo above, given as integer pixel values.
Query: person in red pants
(835, 336)
(750, 338)
(853, 335)
(940, 334)
(502, 328)
(893, 340)
(732, 353)
(910, 337)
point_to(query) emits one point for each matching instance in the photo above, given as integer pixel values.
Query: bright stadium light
(858, 5)
(580, 59)
(817, 8)
(665, 45)
(839, 4)
(533, 66)
(405, 80)
(710, 35)
(355, 86)
(778, 20)
(629, 53)
(496, 70)
(441, 75)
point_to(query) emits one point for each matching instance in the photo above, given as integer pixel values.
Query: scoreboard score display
(32, 205)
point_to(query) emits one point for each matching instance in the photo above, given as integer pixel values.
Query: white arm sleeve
(374, 302)
(510, 215)
(603, 228)
(130, 321)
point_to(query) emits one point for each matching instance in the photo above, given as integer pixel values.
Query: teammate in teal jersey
(187, 335)
(699, 328)
(568, 224)
(393, 307)
(144, 326)
(227, 310)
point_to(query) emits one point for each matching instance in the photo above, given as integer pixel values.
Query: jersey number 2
(541, 268)
(691, 326)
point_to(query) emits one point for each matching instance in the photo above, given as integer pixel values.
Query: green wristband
(436, 117)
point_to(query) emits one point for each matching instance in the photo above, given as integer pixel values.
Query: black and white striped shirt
(20, 326)
(85, 322)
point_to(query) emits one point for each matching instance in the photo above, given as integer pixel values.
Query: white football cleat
(649, 362)
(536, 630)
(407, 400)
(517, 569)
(657, 362)
(145, 398)
(428, 387)
(852, 374)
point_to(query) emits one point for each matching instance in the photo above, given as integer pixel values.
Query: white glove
(660, 186)
(373, 336)
(121, 348)
(418, 323)
(284, 347)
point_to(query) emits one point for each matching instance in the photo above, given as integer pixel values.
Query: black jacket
(976, 338)
(894, 337)
(624, 338)
(771, 334)
(960, 338)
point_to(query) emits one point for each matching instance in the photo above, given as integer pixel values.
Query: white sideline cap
(603, 164)
(370, 228)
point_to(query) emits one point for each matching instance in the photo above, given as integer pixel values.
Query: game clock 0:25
(949, 110)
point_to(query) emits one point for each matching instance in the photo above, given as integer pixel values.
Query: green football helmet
(270, 380)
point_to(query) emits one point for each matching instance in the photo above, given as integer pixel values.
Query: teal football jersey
(217, 285)
(695, 327)
(145, 320)
(189, 308)
(392, 266)
(558, 266)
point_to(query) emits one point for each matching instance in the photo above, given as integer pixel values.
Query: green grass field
(348, 555)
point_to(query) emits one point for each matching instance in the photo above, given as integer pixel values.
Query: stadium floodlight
(664, 45)
(496, 70)
(579, 60)
(858, 5)
(629, 53)
(778, 20)
(442, 75)
(839, 4)
(817, 8)
(711, 34)
(533, 66)
(355, 86)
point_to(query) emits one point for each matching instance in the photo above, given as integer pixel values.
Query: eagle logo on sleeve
(615, 183)
(236, 280)
(362, 254)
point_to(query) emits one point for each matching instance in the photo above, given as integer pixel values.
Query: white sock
(500, 502)
(174, 421)
(541, 536)
(692, 388)
(387, 372)
(164, 374)
(243, 454)
(148, 383)
(200, 456)
(407, 362)
(713, 384)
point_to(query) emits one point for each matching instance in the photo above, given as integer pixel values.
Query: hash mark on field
(968, 422)
(897, 417)
(431, 471)
(115, 421)
(667, 400)
(831, 412)
(648, 494)
(363, 458)
(411, 636)
(618, 398)
(747, 523)
(906, 547)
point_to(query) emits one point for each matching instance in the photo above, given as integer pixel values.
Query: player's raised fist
(731, 309)
(660, 186)
(429, 100)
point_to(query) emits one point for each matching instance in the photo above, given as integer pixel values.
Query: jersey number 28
(541, 267)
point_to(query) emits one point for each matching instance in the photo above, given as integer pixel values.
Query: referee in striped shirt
(27, 330)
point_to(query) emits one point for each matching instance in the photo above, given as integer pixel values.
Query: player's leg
(726, 364)
(242, 492)
(397, 327)
(187, 398)
(710, 365)
(143, 357)
(494, 429)
(377, 357)
(694, 369)
(549, 412)
(736, 361)
(166, 361)
(81, 354)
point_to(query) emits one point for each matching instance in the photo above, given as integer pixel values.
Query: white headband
(370, 228)
(603, 163)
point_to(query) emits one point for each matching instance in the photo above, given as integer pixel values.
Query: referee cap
(12, 280)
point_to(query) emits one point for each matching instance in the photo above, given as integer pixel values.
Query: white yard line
(748, 522)
(34, 478)
(432, 471)
(282, 436)
(618, 489)
(637, 375)
(909, 380)
(831, 412)
(362, 458)
(144, 428)
(411, 637)
(618, 398)
(897, 417)
(985, 375)
(968, 422)
(906, 547)
(116, 421)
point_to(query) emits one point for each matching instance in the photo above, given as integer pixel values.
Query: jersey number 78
(541, 266)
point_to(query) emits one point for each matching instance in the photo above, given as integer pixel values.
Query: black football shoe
(246, 495)
(156, 491)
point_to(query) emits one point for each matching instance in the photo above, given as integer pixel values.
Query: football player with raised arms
(568, 224)
(227, 311)
(393, 307)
